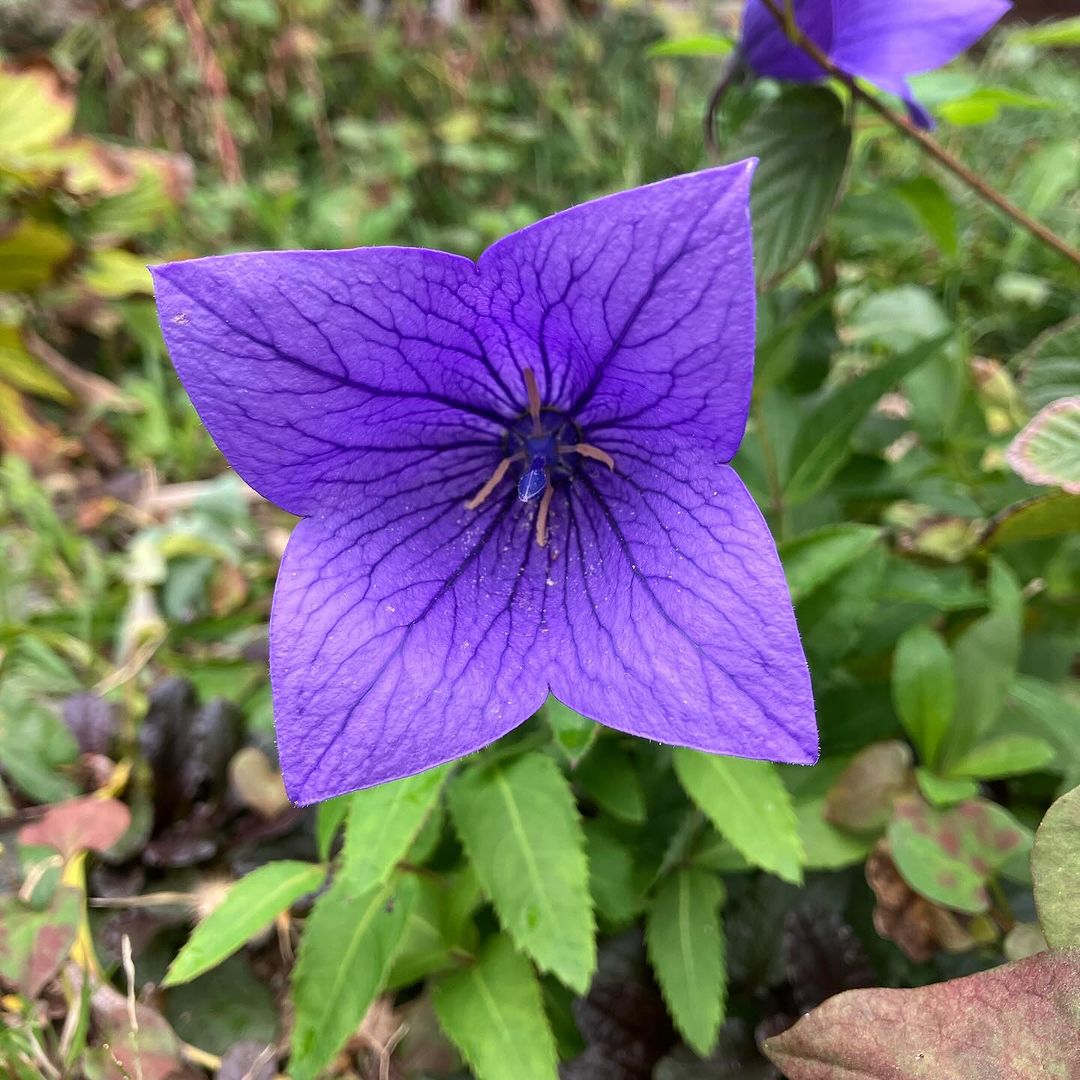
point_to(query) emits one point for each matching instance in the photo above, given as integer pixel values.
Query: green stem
(785, 16)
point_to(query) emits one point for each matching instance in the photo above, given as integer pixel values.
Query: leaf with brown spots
(33, 944)
(949, 856)
(86, 824)
(1016, 1022)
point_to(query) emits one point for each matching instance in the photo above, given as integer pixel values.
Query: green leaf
(826, 847)
(934, 209)
(251, 904)
(36, 109)
(609, 776)
(985, 657)
(1055, 872)
(330, 815)
(695, 45)
(816, 557)
(924, 689)
(520, 828)
(345, 953)
(383, 821)
(748, 803)
(1060, 34)
(1009, 755)
(612, 878)
(803, 140)
(823, 442)
(949, 856)
(30, 253)
(493, 1011)
(943, 793)
(1050, 365)
(1047, 451)
(1040, 518)
(686, 950)
(574, 734)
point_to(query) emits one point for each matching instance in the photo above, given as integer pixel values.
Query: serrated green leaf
(252, 904)
(823, 442)
(803, 141)
(493, 1011)
(1009, 755)
(686, 950)
(924, 689)
(520, 828)
(748, 803)
(346, 949)
(382, 824)
(1055, 872)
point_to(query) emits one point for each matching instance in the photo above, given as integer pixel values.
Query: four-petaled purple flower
(882, 41)
(513, 477)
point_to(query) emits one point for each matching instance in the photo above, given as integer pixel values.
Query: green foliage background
(466, 912)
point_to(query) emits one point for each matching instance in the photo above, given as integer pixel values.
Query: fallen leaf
(85, 824)
(1015, 1022)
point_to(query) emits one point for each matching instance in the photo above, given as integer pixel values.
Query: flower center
(541, 443)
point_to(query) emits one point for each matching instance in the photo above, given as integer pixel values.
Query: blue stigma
(533, 481)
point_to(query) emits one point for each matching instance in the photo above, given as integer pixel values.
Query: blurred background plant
(450, 925)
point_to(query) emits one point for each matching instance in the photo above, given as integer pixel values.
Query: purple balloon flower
(882, 41)
(514, 480)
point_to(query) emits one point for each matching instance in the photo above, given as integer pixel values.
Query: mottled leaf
(748, 804)
(494, 1013)
(948, 856)
(34, 943)
(686, 949)
(251, 904)
(1015, 1022)
(521, 831)
(1055, 871)
(129, 1046)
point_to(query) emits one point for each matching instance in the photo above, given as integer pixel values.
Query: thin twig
(926, 142)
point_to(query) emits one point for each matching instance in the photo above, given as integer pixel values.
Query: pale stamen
(542, 516)
(534, 400)
(495, 480)
(589, 451)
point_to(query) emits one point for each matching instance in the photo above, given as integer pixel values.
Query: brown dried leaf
(862, 798)
(1016, 1022)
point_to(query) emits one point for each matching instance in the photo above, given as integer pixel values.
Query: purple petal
(678, 618)
(314, 371)
(404, 637)
(636, 310)
(882, 42)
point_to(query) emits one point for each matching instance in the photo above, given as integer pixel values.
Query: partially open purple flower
(882, 41)
(513, 477)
